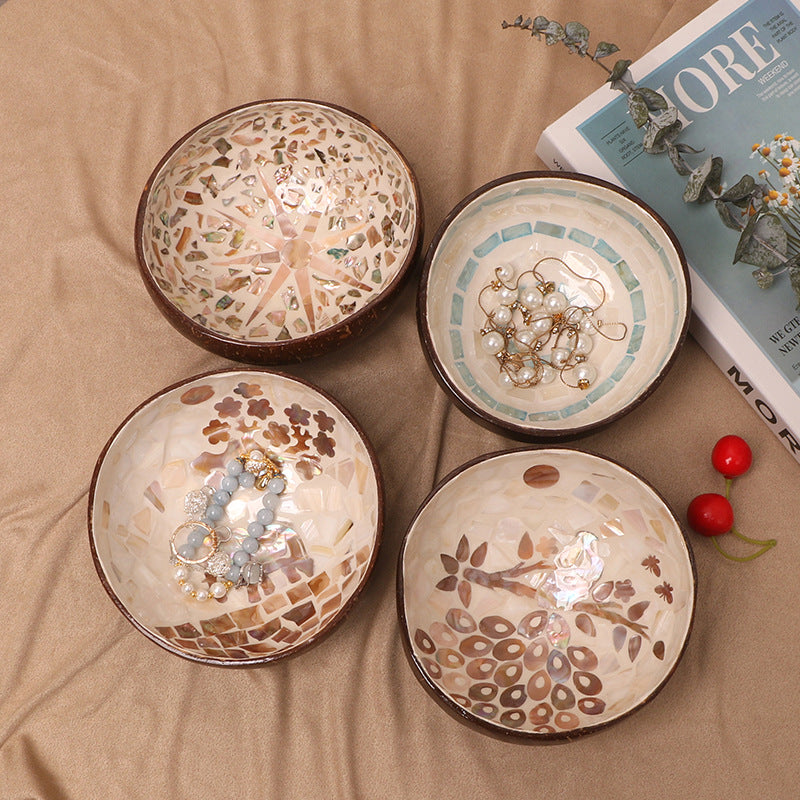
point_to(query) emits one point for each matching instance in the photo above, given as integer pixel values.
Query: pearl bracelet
(226, 558)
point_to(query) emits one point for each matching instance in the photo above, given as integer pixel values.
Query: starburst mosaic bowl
(315, 558)
(277, 230)
(603, 249)
(544, 594)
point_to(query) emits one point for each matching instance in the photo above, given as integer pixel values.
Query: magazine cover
(734, 76)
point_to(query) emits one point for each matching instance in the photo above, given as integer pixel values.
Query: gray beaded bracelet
(208, 546)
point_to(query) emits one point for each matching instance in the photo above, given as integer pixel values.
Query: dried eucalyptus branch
(769, 238)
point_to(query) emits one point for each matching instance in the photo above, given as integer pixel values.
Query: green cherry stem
(767, 545)
(768, 542)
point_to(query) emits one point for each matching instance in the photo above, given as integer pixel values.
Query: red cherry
(710, 514)
(731, 456)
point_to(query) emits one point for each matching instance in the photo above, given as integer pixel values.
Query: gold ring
(192, 524)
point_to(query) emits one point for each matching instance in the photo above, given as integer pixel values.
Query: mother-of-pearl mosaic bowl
(544, 594)
(331, 514)
(599, 231)
(278, 229)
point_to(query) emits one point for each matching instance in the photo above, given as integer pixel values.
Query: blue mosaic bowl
(614, 262)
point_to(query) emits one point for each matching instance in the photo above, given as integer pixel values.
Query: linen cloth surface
(93, 93)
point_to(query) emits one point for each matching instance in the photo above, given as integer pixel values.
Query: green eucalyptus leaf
(740, 190)
(649, 141)
(604, 49)
(744, 239)
(657, 140)
(576, 38)
(553, 33)
(654, 100)
(765, 246)
(713, 181)
(662, 131)
(670, 133)
(728, 220)
(667, 118)
(764, 278)
(696, 182)
(540, 23)
(706, 175)
(619, 69)
(682, 147)
(576, 31)
(681, 167)
(637, 108)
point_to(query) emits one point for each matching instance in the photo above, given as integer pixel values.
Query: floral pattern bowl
(544, 594)
(313, 560)
(277, 230)
(516, 246)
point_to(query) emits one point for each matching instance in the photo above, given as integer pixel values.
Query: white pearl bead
(506, 381)
(218, 590)
(587, 325)
(555, 301)
(526, 375)
(525, 336)
(541, 325)
(181, 573)
(493, 342)
(505, 272)
(583, 344)
(548, 374)
(559, 356)
(586, 372)
(531, 298)
(202, 595)
(506, 296)
(502, 315)
(573, 316)
(187, 588)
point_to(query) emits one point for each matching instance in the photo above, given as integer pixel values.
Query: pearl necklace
(522, 319)
(211, 548)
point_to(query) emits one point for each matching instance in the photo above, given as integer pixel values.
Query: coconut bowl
(313, 560)
(516, 244)
(278, 230)
(544, 594)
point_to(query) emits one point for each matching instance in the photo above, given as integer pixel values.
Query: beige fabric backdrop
(92, 93)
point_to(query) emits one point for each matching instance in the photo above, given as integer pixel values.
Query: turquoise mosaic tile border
(599, 246)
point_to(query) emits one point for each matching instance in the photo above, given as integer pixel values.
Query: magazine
(733, 73)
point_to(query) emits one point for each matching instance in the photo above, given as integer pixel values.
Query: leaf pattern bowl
(544, 593)
(277, 230)
(316, 557)
(600, 248)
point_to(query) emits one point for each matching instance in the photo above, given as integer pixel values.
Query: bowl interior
(328, 521)
(598, 233)
(277, 221)
(545, 593)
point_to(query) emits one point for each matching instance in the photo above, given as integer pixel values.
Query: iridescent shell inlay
(330, 513)
(599, 233)
(546, 607)
(279, 220)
